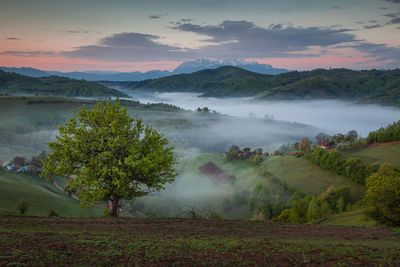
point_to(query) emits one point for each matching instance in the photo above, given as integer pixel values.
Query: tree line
(389, 133)
(353, 168)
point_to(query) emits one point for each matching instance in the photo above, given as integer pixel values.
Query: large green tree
(108, 156)
(383, 195)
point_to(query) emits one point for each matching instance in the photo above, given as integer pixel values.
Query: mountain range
(186, 67)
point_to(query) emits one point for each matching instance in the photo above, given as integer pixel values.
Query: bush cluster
(266, 201)
(308, 208)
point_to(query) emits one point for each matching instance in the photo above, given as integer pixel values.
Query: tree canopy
(108, 156)
(383, 195)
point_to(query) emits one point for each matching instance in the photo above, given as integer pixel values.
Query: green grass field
(350, 218)
(15, 186)
(377, 154)
(303, 175)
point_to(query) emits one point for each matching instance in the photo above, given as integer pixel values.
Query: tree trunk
(114, 207)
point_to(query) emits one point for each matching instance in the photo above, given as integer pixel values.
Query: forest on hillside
(369, 86)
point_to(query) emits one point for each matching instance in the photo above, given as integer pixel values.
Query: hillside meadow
(42, 197)
(377, 154)
(302, 174)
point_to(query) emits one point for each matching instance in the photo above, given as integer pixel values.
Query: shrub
(106, 212)
(256, 160)
(212, 215)
(194, 214)
(52, 213)
(304, 145)
(285, 216)
(232, 154)
(299, 210)
(22, 206)
(337, 199)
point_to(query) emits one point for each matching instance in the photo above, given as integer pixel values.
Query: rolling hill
(372, 86)
(377, 154)
(16, 84)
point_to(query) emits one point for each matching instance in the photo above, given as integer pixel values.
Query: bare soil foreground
(50, 242)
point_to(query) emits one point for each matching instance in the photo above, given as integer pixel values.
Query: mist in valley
(331, 116)
(202, 136)
(242, 122)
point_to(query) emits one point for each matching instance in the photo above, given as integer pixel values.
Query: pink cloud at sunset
(73, 36)
(64, 64)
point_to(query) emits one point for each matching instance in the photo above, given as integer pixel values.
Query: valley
(199, 138)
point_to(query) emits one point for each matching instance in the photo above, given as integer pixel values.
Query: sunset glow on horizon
(135, 36)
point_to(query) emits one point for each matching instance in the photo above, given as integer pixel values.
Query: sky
(131, 35)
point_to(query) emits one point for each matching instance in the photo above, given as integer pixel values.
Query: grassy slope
(304, 175)
(377, 154)
(350, 218)
(15, 186)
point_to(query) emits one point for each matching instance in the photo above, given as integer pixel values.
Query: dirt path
(51, 190)
(62, 189)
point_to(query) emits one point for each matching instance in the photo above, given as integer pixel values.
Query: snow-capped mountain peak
(205, 63)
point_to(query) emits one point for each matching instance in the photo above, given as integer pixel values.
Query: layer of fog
(203, 132)
(192, 133)
(333, 116)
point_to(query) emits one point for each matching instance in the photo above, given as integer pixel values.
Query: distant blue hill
(31, 72)
(186, 67)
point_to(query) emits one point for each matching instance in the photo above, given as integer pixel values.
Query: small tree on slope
(109, 156)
